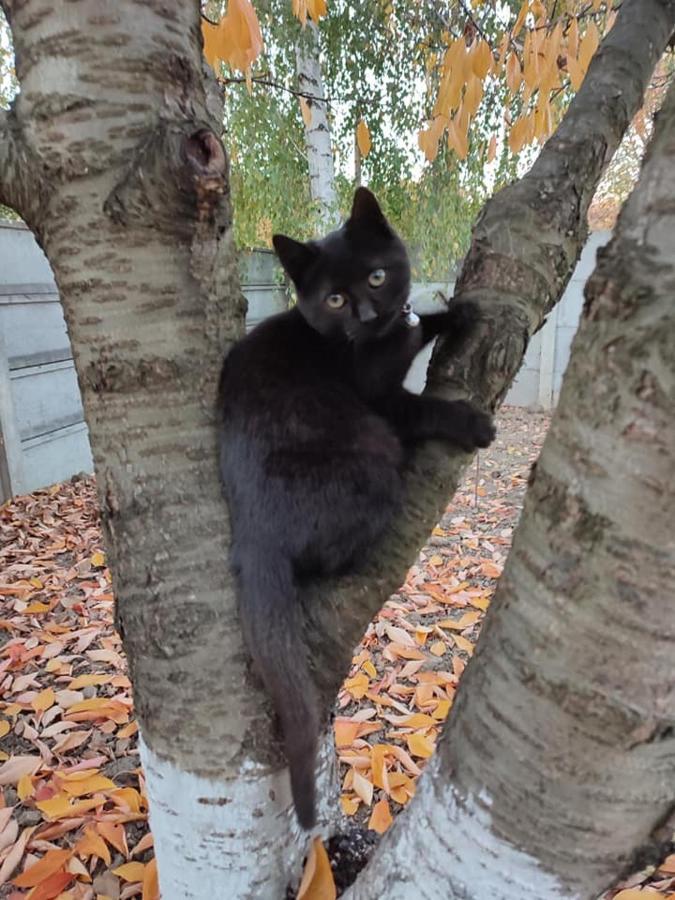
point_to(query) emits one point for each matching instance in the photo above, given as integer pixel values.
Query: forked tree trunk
(112, 156)
(317, 132)
(557, 770)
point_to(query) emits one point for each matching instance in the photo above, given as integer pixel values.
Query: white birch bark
(318, 133)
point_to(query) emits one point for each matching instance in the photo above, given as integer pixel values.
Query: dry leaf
(51, 862)
(317, 879)
(363, 138)
(380, 818)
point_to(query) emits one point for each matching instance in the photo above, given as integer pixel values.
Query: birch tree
(112, 154)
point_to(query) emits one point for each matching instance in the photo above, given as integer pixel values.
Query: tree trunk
(317, 133)
(557, 770)
(115, 162)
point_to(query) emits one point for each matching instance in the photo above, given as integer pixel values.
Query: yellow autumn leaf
(36, 607)
(378, 766)
(60, 806)
(306, 111)
(441, 711)
(463, 643)
(88, 785)
(357, 686)
(518, 134)
(316, 9)
(362, 786)
(345, 732)
(98, 559)
(349, 804)
(317, 879)
(380, 818)
(514, 75)
(236, 39)
(24, 788)
(4, 727)
(43, 701)
(420, 746)
(573, 39)
(369, 668)
(481, 59)
(458, 138)
(131, 871)
(87, 681)
(438, 648)
(363, 138)
(520, 21)
(576, 72)
(150, 881)
(92, 844)
(588, 46)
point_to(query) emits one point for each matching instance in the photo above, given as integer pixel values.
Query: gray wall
(537, 385)
(43, 437)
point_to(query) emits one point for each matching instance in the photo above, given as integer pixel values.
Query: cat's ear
(366, 210)
(293, 255)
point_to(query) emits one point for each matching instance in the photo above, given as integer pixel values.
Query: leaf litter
(73, 807)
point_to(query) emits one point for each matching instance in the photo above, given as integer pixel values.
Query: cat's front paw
(479, 430)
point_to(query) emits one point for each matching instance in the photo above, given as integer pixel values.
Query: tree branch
(524, 249)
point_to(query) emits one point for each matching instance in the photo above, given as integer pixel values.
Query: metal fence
(43, 436)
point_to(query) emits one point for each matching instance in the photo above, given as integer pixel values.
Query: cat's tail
(273, 629)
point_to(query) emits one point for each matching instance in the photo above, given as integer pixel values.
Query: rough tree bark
(317, 133)
(557, 770)
(111, 154)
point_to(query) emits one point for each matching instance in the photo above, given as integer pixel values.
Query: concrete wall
(43, 437)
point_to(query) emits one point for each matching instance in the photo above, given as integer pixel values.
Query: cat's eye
(376, 277)
(335, 301)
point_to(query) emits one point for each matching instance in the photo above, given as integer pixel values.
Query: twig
(267, 82)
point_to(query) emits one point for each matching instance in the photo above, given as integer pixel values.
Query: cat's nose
(365, 311)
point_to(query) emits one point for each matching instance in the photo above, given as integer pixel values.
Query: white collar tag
(410, 317)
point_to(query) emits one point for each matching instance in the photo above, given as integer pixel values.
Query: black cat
(316, 427)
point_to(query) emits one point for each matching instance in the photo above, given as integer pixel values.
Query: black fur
(316, 428)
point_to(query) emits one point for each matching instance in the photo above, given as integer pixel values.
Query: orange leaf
(58, 807)
(362, 787)
(490, 569)
(51, 862)
(357, 686)
(317, 879)
(420, 746)
(378, 766)
(89, 786)
(87, 681)
(520, 21)
(380, 818)
(128, 730)
(91, 844)
(114, 835)
(98, 559)
(145, 843)
(131, 871)
(345, 732)
(51, 887)
(4, 727)
(481, 59)
(442, 710)
(363, 138)
(349, 804)
(43, 701)
(438, 648)
(24, 788)
(150, 881)
(463, 643)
